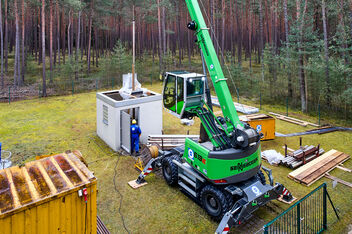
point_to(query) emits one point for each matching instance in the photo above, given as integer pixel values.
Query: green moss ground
(53, 125)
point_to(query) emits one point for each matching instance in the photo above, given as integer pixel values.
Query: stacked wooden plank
(170, 141)
(314, 170)
(295, 159)
(245, 109)
(293, 120)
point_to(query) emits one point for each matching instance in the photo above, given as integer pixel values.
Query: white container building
(114, 115)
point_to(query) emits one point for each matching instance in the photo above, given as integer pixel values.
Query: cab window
(195, 87)
(179, 89)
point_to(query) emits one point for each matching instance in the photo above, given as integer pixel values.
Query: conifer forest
(280, 51)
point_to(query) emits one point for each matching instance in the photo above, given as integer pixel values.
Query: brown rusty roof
(41, 179)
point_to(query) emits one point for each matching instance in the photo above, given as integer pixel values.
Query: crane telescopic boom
(211, 59)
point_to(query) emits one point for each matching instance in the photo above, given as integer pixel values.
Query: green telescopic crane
(224, 172)
(211, 59)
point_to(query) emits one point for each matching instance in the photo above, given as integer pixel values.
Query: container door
(125, 131)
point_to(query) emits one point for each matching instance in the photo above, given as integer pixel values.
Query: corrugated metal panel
(41, 196)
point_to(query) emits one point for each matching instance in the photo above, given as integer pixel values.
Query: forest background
(292, 52)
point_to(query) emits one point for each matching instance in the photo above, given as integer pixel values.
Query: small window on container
(105, 115)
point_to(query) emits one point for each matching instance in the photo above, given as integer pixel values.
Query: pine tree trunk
(351, 18)
(63, 38)
(189, 47)
(179, 32)
(163, 25)
(23, 67)
(273, 40)
(250, 35)
(40, 57)
(72, 33)
(6, 37)
(239, 34)
(83, 32)
(17, 72)
(43, 48)
(69, 36)
(58, 31)
(211, 9)
(160, 39)
(51, 40)
(2, 47)
(83, 37)
(261, 43)
(152, 40)
(35, 35)
(223, 31)
(326, 55)
(343, 32)
(55, 26)
(289, 78)
(96, 47)
(232, 26)
(301, 74)
(78, 36)
(90, 35)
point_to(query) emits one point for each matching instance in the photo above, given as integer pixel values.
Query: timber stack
(318, 167)
(170, 141)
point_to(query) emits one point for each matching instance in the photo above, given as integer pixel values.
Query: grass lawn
(53, 125)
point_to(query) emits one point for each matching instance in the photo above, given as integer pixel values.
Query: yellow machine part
(146, 154)
(139, 164)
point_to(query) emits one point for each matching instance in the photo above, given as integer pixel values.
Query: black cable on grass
(118, 191)
(115, 187)
(85, 219)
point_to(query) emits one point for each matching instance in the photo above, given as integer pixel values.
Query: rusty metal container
(43, 196)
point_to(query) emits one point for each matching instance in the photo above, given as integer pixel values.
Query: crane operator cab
(182, 91)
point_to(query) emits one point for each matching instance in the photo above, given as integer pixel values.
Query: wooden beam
(45, 175)
(31, 187)
(344, 168)
(61, 173)
(293, 120)
(16, 200)
(327, 175)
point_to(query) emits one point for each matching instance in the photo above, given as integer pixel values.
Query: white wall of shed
(109, 133)
(150, 120)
